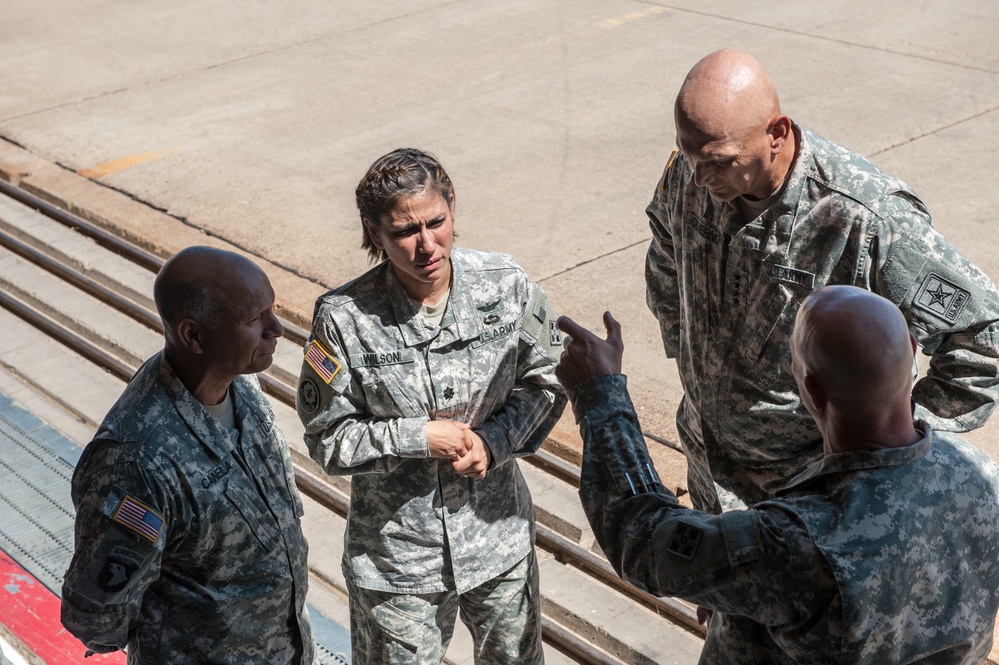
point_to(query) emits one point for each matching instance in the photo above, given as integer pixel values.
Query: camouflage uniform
(882, 557)
(189, 547)
(376, 372)
(726, 292)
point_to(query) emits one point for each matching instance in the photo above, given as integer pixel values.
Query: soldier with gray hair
(189, 545)
(423, 380)
(884, 551)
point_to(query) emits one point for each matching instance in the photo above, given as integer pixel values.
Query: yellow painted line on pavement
(633, 16)
(121, 164)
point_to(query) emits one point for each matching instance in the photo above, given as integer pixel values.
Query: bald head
(852, 358)
(196, 283)
(727, 93)
(730, 128)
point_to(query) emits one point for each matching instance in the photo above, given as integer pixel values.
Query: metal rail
(548, 462)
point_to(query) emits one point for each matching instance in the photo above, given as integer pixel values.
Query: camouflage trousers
(503, 616)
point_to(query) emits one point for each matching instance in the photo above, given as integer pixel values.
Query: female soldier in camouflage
(423, 379)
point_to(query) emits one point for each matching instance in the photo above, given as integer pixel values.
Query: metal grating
(326, 657)
(332, 640)
(36, 467)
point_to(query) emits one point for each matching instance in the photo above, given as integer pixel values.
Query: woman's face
(417, 236)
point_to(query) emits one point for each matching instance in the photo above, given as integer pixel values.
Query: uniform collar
(862, 460)
(202, 424)
(461, 312)
(780, 217)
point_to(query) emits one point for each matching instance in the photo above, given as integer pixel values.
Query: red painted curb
(31, 612)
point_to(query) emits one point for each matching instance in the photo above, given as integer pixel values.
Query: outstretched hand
(586, 355)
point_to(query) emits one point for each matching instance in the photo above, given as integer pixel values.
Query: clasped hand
(457, 442)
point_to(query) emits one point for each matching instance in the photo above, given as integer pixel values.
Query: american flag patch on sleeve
(322, 361)
(139, 518)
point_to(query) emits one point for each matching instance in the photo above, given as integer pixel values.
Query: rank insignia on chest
(448, 394)
(685, 540)
(322, 361)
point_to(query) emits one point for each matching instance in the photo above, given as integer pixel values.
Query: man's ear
(816, 394)
(779, 130)
(189, 334)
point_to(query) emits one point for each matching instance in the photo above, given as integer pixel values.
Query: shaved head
(852, 359)
(218, 319)
(727, 93)
(194, 284)
(730, 127)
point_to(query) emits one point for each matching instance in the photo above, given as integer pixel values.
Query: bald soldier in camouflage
(884, 551)
(751, 215)
(189, 546)
(424, 379)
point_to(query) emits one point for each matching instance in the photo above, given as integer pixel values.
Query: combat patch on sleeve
(669, 163)
(941, 298)
(554, 334)
(139, 518)
(121, 564)
(685, 540)
(308, 395)
(540, 323)
(322, 362)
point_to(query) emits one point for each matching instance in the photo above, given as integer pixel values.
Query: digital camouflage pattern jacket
(866, 558)
(189, 546)
(726, 293)
(375, 373)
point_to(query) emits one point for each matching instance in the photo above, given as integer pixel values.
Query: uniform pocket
(772, 309)
(256, 519)
(388, 391)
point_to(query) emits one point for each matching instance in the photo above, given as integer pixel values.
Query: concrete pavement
(254, 121)
(251, 122)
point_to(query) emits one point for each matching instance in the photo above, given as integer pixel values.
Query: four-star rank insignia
(554, 334)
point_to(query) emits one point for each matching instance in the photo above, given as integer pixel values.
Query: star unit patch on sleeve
(322, 361)
(941, 297)
(308, 396)
(685, 540)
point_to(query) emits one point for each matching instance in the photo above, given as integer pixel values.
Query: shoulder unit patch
(669, 163)
(685, 540)
(941, 297)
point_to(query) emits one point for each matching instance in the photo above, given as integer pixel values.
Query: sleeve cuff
(601, 393)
